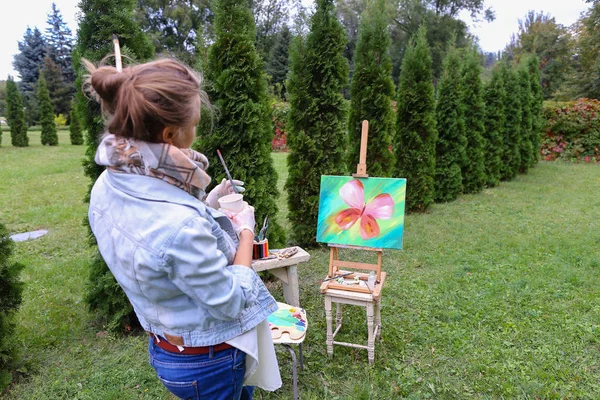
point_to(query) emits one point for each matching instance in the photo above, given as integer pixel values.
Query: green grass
(496, 295)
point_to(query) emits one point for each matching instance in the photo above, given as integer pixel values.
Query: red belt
(163, 344)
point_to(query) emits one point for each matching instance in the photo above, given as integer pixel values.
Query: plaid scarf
(183, 168)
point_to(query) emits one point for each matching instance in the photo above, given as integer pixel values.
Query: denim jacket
(173, 259)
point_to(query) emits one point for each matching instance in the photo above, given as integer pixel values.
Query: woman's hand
(243, 220)
(222, 189)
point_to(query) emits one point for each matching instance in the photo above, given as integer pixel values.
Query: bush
(572, 131)
(279, 114)
(60, 121)
(11, 289)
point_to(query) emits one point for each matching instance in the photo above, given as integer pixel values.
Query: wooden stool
(288, 326)
(359, 294)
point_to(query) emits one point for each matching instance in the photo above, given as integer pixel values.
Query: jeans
(217, 375)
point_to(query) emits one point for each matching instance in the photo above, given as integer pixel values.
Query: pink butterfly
(381, 207)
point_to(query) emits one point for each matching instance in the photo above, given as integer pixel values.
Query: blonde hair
(143, 99)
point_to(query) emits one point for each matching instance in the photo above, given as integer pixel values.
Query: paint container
(260, 249)
(232, 202)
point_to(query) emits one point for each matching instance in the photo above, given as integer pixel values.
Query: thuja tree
(450, 156)
(11, 289)
(75, 131)
(15, 115)
(49, 135)
(511, 138)
(372, 93)
(317, 119)
(526, 100)
(494, 98)
(99, 20)
(416, 134)
(243, 130)
(473, 172)
(537, 104)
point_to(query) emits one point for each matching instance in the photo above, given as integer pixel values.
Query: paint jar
(233, 202)
(372, 279)
(260, 249)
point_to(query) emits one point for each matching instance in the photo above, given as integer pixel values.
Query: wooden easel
(355, 293)
(334, 261)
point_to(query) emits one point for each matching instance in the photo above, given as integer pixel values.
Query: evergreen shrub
(243, 127)
(11, 289)
(494, 98)
(572, 131)
(451, 141)
(473, 172)
(75, 131)
(49, 136)
(416, 133)
(372, 92)
(318, 117)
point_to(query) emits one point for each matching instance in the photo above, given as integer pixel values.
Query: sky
(19, 14)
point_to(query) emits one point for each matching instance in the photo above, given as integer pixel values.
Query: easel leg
(378, 319)
(329, 319)
(338, 315)
(371, 339)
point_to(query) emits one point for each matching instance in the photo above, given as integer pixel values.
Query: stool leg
(294, 372)
(329, 319)
(378, 319)
(371, 339)
(338, 315)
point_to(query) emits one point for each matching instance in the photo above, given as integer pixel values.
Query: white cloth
(262, 368)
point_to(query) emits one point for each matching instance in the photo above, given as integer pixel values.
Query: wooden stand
(361, 294)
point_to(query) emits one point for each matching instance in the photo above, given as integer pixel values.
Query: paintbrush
(227, 171)
(337, 276)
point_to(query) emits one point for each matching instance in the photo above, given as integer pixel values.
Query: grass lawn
(496, 295)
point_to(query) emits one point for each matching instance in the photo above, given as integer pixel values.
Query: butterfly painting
(366, 212)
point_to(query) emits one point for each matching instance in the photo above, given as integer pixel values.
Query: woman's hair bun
(106, 82)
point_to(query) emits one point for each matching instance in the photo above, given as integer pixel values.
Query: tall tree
(537, 105)
(176, 27)
(541, 35)
(271, 17)
(511, 138)
(11, 290)
(15, 115)
(441, 19)
(372, 93)
(59, 40)
(584, 80)
(278, 65)
(494, 98)
(526, 100)
(318, 117)
(30, 59)
(416, 133)
(473, 172)
(99, 20)
(452, 141)
(28, 63)
(60, 93)
(244, 129)
(49, 135)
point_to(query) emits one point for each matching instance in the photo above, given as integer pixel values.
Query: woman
(185, 267)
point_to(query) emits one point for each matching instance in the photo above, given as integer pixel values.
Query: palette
(288, 320)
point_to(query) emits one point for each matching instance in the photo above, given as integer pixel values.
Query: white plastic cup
(232, 202)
